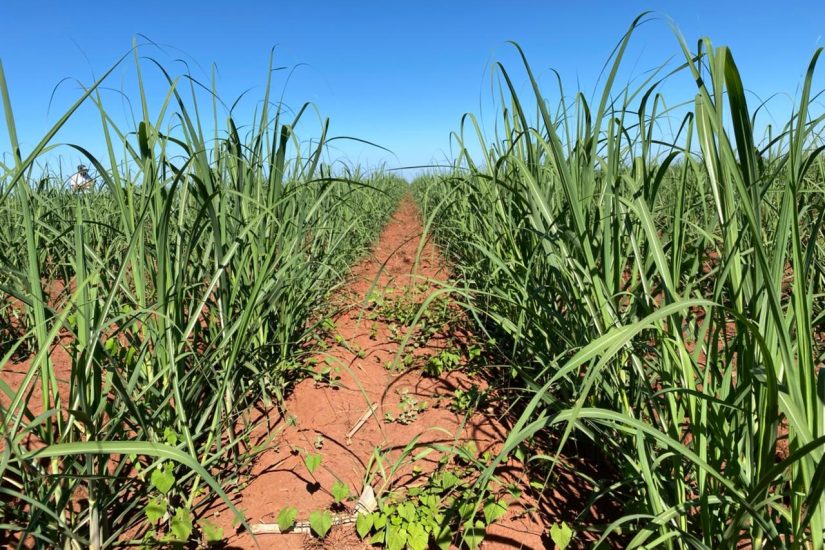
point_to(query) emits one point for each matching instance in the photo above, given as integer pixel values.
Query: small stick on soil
(366, 505)
(299, 527)
(361, 421)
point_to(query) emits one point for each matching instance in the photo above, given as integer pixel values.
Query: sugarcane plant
(654, 272)
(156, 307)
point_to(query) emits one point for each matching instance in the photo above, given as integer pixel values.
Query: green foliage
(312, 461)
(444, 361)
(432, 512)
(473, 533)
(180, 525)
(163, 477)
(363, 524)
(171, 437)
(182, 285)
(414, 315)
(409, 409)
(467, 400)
(561, 534)
(494, 510)
(654, 278)
(326, 375)
(340, 491)
(211, 532)
(286, 518)
(320, 521)
(155, 509)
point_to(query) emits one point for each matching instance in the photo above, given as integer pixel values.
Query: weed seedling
(445, 361)
(465, 401)
(440, 512)
(409, 407)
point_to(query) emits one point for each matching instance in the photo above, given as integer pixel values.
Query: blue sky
(400, 74)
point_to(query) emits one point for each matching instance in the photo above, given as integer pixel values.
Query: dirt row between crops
(318, 415)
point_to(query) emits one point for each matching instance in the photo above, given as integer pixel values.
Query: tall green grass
(183, 288)
(658, 293)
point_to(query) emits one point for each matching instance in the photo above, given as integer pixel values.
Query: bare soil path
(320, 413)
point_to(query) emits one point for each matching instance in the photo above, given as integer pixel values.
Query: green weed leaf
(211, 532)
(449, 480)
(363, 524)
(181, 525)
(407, 512)
(396, 537)
(466, 510)
(561, 535)
(312, 461)
(170, 436)
(286, 518)
(340, 491)
(155, 509)
(473, 534)
(320, 522)
(444, 538)
(379, 520)
(163, 478)
(417, 537)
(493, 510)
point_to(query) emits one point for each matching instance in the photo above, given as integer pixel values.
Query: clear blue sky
(397, 73)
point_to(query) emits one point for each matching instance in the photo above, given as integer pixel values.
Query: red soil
(14, 372)
(13, 375)
(322, 413)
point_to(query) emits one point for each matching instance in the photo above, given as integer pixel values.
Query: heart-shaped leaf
(396, 537)
(170, 436)
(211, 532)
(312, 461)
(407, 511)
(340, 491)
(494, 510)
(561, 534)
(320, 522)
(417, 537)
(466, 510)
(155, 509)
(163, 479)
(363, 524)
(473, 534)
(181, 525)
(444, 537)
(286, 518)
